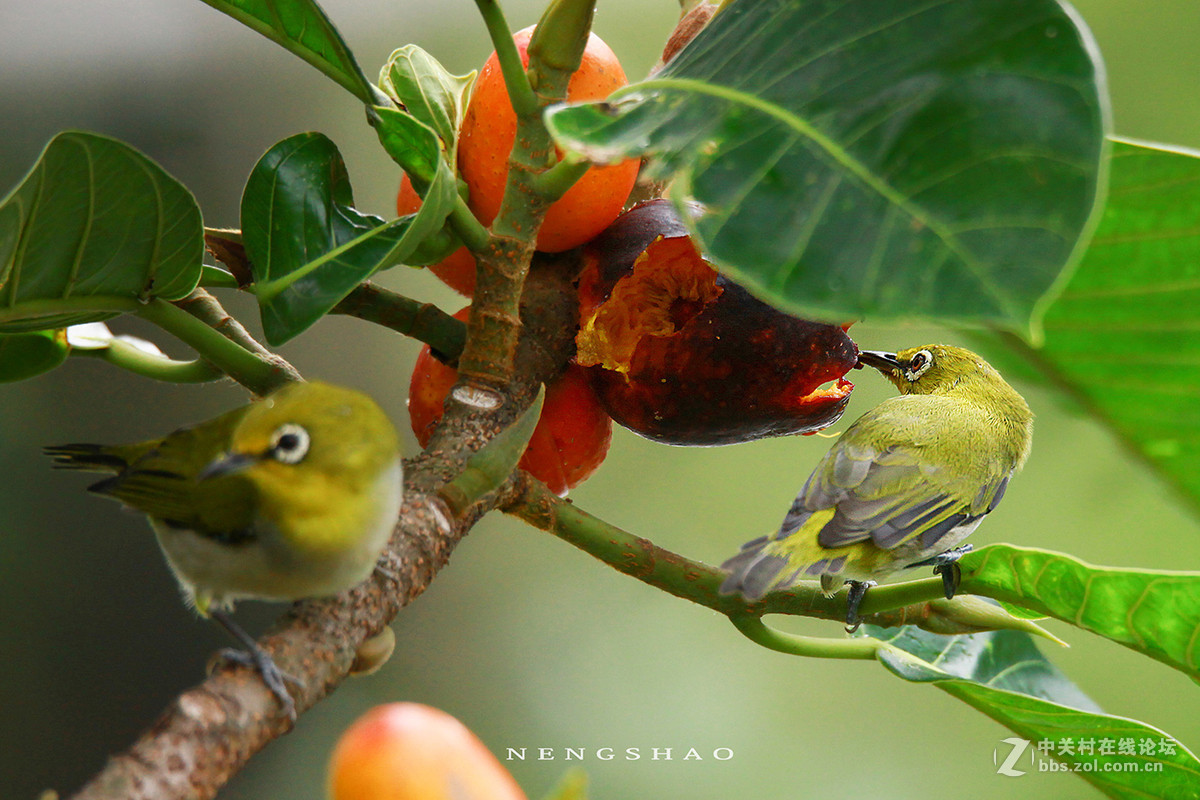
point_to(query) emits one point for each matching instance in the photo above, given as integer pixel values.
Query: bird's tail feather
(88, 457)
(754, 570)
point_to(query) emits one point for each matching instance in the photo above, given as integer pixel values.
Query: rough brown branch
(210, 731)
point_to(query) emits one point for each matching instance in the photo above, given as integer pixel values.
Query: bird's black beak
(227, 464)
(884, 362)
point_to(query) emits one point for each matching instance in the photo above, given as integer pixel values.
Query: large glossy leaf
(1153, 612)
(1124, 335)
(879, 158)
(307, 244)
(302, 27)
(92, 230)
(1003, 675)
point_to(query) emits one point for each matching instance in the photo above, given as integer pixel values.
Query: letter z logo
(1018, 749)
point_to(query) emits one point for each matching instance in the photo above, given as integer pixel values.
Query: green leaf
(94, 229)
(878, 158)
(430, 166)
(1007, 660)
(308, 246)
(26, 355)
(302, 27)
(1154, 612)
(422, 86)
(1003, 675)
(1124, 335)
(412, 144)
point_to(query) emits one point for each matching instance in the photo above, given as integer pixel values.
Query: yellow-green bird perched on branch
(903, 486)
(289, 497)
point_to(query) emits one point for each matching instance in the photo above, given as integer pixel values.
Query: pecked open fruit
(682, 355)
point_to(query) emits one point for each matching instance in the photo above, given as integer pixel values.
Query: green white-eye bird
(903, 486)
(292, 496)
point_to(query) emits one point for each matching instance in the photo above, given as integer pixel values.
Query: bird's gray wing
(888, 495)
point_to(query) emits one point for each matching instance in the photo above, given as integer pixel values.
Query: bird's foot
(275, 678)
(946, 565)
(858, 590)
(259, 660)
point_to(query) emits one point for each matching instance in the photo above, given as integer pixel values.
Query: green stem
(554, 182)
(754, 629)
(423, 321)
(252, 371)
(469, 230)
(160, 368)
(918, 602)
(501, 266)
(561, 37)
(204, 307)
(897, 595)
(524, 101)
(651, 564)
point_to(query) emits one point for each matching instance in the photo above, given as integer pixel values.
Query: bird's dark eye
(918, 365)
(289, 444)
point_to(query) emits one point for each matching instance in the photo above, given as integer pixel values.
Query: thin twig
(204, 307)
(423, 321)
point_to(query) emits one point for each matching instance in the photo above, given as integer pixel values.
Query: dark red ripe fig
(682, 355)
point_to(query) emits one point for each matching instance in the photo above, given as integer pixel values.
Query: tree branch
(423, 321)
(919, 602)
(501, 266)
(210, 731)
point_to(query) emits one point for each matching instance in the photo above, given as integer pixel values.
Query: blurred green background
(526, 640)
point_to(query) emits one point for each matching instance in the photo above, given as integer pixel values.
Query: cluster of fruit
(667, 346)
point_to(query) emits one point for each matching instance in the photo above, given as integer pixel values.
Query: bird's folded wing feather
(161, 481)
(891, 491)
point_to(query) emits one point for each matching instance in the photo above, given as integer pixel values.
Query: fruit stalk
(520, 93)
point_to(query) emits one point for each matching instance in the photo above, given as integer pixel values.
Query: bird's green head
(309, 438)
(938, 369)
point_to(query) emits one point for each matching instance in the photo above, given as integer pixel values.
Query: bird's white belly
(913, 552)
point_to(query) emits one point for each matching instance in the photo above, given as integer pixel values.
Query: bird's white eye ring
(289, 444)
(918, 365)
